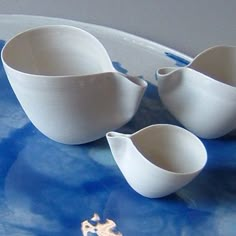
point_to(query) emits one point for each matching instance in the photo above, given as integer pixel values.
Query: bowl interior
(171, 148)
(217, 62)
(56, 51)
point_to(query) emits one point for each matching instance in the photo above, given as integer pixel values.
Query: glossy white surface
(158, 160)
(148, 55)
(66, 84)
(202, 95)
(57, 51)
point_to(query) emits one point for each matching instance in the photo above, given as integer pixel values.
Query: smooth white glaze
(158, 160)
(66, 84)
(202, 96)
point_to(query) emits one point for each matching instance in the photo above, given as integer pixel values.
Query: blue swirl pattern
(47, 188)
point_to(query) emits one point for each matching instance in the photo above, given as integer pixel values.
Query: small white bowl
(158, 160)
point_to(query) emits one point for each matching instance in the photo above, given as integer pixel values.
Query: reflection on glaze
(98, 228)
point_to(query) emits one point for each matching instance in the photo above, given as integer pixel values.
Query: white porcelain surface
(202, 96)
(129, 49)
(158, 160)
(66, 84)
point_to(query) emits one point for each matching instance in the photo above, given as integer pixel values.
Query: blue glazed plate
(47, 188)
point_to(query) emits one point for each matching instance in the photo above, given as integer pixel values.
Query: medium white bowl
(66, 84)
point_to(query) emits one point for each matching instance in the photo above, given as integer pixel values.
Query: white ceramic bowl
(66, 84)
(158, 160)
(202, 96)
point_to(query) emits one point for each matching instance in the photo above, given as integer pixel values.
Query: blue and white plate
(51, 189)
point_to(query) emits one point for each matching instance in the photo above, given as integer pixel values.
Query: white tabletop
(187, 26)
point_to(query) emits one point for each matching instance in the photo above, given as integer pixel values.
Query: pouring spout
(119, 145)
(113, 135)
(167, 75)
(128, 86)
(165, 72)
(137, 80)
